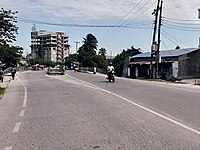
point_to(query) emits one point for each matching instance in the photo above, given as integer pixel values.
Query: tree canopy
(8, 30)
(102, 52)
(87, 51)
(10, 54)
(118, 61)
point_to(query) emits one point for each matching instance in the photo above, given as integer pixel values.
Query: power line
(181, 23)
(124, 26)
(175, 38)
(142, 12)
(69, 25)
(115, 30)
(122, 18)
(169, 38)
(181, 20)
(180, 28)
(136, 25)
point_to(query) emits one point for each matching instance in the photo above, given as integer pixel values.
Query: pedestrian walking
(1, 74)
(13, 72)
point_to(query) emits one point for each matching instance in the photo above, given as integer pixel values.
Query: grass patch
(2, 90)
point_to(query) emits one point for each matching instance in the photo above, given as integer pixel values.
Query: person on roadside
(13, 72)
(1, 74)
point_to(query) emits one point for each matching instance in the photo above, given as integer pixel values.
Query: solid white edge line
(8, 148)
(25, 93)
(140, 106)
(159, 115)
(17, 127)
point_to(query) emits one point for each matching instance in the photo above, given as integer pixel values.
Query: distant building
(174, 64)
(109, 57)
(53, 46)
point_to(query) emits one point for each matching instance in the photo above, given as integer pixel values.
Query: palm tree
(102, 51)
(90, 43)
(88, 50)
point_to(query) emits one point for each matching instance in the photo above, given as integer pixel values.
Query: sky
(117, 24)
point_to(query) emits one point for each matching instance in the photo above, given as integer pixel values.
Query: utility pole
(158, 48)
(34, 34)
(155, 44)
(199, 18)
(76, 42)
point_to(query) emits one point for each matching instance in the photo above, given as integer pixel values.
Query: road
(81, 111)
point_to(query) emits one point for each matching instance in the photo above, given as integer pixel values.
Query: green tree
(10, 55)
(118, 61)
(69, 60)
(102, 52)
(99, 61)
(87, 51)
(8, 28)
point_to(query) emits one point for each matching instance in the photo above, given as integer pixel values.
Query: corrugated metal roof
(167, 53)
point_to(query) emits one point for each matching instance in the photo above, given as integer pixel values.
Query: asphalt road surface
(81, 111)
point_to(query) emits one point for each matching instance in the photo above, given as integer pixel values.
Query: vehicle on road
(111, 76)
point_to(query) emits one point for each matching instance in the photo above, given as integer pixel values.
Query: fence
(91, 69)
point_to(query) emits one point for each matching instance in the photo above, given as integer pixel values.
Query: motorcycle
(111, 76)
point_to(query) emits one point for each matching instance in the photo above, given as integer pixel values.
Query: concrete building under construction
(50, 46)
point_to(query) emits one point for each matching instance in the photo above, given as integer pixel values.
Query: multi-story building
(51, 46)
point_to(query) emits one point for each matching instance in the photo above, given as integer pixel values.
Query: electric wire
(180, 20)
(181, 23)
(182, 27)
(122, 18)
(124, 26)
(175, 38)
(136, 25)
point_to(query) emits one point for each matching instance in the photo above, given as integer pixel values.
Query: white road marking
(22, 113)
(138, 105)
(25, 94)
(8, 148)
(17, 127)
(25, 97)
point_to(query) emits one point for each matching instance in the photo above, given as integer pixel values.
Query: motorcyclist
(110, 69)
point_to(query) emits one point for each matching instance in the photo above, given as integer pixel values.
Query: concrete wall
(189, 65)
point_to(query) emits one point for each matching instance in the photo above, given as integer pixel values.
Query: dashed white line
(17, 127)
(8, 148)
(25, 97)
(22, 113)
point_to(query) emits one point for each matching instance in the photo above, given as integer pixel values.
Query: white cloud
(98, 9)
(184, 9)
